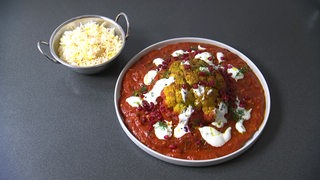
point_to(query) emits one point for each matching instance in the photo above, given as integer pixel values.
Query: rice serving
(89, 44)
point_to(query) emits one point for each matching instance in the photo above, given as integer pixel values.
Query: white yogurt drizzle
(163, 131)
(204, 69)
(219, 57)
(246, 116)
(199, 91)
(153, 94)
(235, 73)
(201, 48)
(204, 56)
(185, 63)
(149, 77)
(182, 127)
(184, 93)
(220, 120)
(134, 101)
(158, 61)
(214, 137)
(177, 53)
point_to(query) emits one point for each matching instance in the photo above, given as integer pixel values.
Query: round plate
(186, 162)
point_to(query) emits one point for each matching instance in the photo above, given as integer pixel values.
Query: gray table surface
(57, 124)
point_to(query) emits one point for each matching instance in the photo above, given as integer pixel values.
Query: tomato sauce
(190, 146)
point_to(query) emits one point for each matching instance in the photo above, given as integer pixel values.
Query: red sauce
(191, 145)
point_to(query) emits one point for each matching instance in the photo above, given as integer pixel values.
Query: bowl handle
(127, 21)
(47, 56)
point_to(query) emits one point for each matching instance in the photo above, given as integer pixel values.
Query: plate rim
(185, 162)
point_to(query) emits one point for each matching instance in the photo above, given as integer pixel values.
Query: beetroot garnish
(151, 106)
(184, 86)
(151, 118)
(222, 92)
(160, 66)
(158, 115)
(211, 69)
(211, 83)
(199, 142)
(184, 56)
(166, 137)
(201, 73)
(162, 108)
(225, 98)
(165, 62)
(150, 128)
(159, 99)
(172, 146)
(145, 105)
(202, 83)
(195, 86)
(242, 104)
(140, 108)
(143, 119)
(164, 66)
(175, 58)
(187, 66)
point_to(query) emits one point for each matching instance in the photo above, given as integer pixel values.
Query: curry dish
(192, 101)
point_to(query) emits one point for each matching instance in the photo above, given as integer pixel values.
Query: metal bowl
(185, 162)
(72, 24)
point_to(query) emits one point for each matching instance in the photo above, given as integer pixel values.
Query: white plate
(186, 162)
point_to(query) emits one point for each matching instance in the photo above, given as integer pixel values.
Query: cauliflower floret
(203, 96)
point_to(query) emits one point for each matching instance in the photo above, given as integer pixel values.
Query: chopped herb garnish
(166, 74)
(237, 114)
(193, 48)
(202, 64)
(243, 69)
(135, 93)
(162, 124)
(142, 90)
(240, 112)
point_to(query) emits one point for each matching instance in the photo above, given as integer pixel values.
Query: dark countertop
(57, 124)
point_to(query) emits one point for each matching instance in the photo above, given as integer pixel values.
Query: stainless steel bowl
(72, 24)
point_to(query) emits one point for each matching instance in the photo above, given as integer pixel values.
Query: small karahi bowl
(71, 24)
